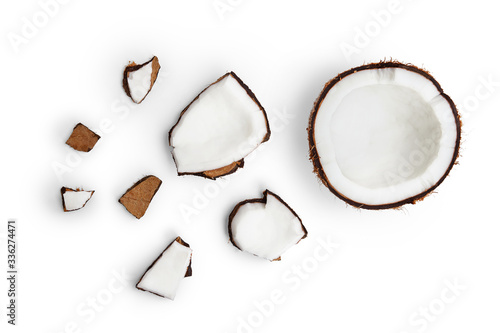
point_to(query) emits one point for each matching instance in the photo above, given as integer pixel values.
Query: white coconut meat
(164, 276)
(221, 126)
(74, 199)
(385, 135)
(139, 79)
(265, 227)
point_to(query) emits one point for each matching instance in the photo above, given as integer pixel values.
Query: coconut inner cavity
(381, 130)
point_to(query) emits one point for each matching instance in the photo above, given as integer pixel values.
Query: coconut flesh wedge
(74, 199)
(138, 80)
(265, 227)
(383, 135)
(165, 274)
(221, 126)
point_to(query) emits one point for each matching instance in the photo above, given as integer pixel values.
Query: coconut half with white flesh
(383, 135)
(138, 80)
(165, 274)
(221, 126)
(265, 227)
(74, 199)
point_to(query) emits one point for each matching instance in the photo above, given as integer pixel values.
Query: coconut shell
(82, 138)
(138, 197)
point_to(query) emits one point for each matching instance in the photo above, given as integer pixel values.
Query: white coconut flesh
(266, 229)
(223, 125)
(139, 82)
(384, 135)
(74, 200)
(166, 274)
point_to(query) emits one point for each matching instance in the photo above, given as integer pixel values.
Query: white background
(388, 265)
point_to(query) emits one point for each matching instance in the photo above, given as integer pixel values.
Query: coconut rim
(313, 153)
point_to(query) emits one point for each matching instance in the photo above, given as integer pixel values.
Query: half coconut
(383, 135)
(221, 126)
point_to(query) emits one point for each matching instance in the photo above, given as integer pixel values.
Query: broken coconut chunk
(138, 80)
(137, 198)
(383, 135)
(74, 199)
(165, 274)
(82, 138)
(221, 126)
(265, 227)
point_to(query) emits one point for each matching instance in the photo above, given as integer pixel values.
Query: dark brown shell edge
(136, 184)
(233, 167)
(67, 189)
(189, 270)
(264, 201)
(313, 154)
(132, 67)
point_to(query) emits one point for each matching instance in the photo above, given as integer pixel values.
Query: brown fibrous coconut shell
(264, 201)
(313, 153)
(138, 197)
(231, 168)
(82, 138)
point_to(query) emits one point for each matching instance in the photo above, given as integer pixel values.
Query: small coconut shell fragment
(74, 199)
(138, 80)
(164, 275)
(265, 227)
(82, 138)
(137, 198)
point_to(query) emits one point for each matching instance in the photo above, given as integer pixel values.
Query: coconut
(74, 199)
(383, 135)
(221, 126)
(165, 274)
(265, 227)
(138, 80)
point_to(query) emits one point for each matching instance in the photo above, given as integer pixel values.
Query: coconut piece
(164, 275)
(74, 199)
(82, 138)
(383, 135)
(138, 80)
(137, 198)
(221, 126)
(265, 227)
